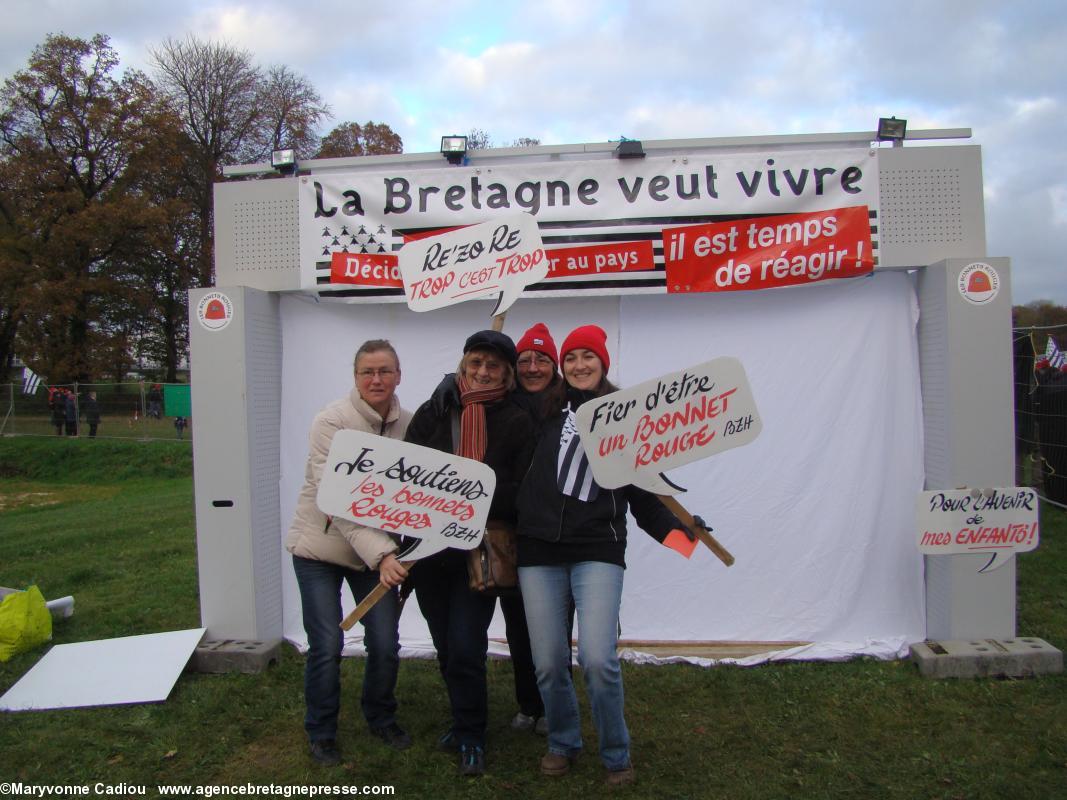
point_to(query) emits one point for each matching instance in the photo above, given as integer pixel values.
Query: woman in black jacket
(572, 546)
(494, 430)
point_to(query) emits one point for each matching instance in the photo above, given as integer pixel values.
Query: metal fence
(1040, 414)
(106, 410)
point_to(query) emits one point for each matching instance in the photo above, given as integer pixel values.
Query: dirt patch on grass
(272, 757)
(20, 496)
(12, 500)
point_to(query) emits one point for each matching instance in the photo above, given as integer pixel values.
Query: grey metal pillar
(965, 361)
(235, 361)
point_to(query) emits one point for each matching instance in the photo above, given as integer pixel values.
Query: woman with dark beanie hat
(537, 391)
(572, 546)
(480, 421)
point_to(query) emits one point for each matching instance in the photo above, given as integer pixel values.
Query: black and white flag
(574, 475)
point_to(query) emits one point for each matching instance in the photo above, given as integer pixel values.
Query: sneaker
(448, 742)
(471, 760)
(523, 722)
(325, 752)
(393, 735)
(541, 728)
(621, 777)
(556, 765)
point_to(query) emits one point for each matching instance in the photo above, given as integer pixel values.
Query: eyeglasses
(384, 373)
(539, 360)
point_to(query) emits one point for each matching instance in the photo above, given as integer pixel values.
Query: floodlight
(629, 148)
(454, 148)
(284, 161)
(891, 129)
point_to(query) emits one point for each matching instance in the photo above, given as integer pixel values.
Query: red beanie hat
(539, 340)
(588, 337)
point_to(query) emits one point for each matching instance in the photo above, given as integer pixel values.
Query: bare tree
(216, 91)
(478, 139)
(292, 111)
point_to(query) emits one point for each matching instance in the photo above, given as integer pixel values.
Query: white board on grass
(106, 672)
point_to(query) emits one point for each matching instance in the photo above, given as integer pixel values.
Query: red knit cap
(539, 340)
(589, 337)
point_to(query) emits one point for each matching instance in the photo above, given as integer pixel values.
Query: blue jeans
(595, 588)
(320, 599)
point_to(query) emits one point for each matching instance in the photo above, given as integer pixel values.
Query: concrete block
(1021, 657)
(235, 655)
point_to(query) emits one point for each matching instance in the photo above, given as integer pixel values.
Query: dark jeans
(459, 623)
(320, 599)
(527, 694)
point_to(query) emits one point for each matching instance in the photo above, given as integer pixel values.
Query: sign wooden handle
(368, 602)
(498, 322)
(701, 532)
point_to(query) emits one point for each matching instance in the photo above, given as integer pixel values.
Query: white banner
(995, 522)
(408, 490)
(633, 435)
(575, 202)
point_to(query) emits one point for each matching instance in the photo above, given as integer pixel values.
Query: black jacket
(557, 529)
(510, 436)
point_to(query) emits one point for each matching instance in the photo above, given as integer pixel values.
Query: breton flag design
(30, 381)
(574, 475)
(1056, 357)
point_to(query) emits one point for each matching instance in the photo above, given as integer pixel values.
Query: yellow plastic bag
(25, 622)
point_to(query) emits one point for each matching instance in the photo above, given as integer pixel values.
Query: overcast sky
(575, 71)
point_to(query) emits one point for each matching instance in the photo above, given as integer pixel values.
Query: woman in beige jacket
(328, 550)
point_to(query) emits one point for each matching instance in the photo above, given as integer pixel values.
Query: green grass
(125, 549)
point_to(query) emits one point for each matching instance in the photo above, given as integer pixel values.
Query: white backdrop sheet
(817, 511)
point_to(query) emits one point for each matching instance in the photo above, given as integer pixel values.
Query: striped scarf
(473, 436)
(574, 477)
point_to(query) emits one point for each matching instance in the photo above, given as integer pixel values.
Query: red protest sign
(597, 259)
(767, 252)
(365, 269)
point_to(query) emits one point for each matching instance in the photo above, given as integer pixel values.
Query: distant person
(155, 401)
(57, 403)
(70, 413)
(179, 426)
(92, 414)
(329, 551)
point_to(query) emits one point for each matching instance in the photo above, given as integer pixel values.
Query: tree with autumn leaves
(71, 135)
(106, 188)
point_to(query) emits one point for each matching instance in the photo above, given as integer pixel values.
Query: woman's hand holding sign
(440, 499)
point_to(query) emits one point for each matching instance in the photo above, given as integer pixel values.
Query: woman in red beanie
(572, 546)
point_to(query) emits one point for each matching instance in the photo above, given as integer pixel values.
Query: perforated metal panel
(257, 234)
(931, 205)
(921, 206)
(262, 370)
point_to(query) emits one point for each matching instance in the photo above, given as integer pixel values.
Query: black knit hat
(492, 340)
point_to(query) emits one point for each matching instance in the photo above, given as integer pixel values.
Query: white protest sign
(406, 489)
(498, 257)
(996, 522)
(633, 435)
